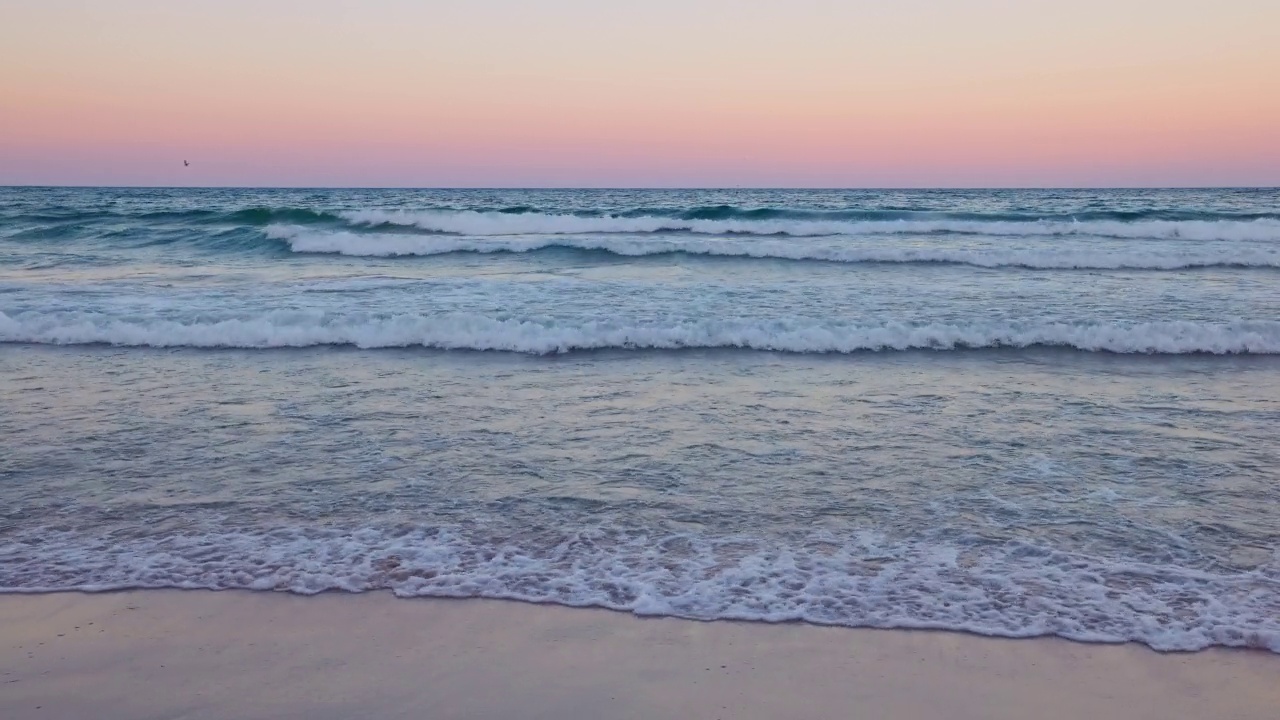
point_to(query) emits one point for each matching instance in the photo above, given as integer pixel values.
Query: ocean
(1008, 412)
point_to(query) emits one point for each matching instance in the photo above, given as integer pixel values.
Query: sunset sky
(658, 93)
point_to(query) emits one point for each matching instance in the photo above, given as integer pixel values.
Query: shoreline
(1247, 647)
(225, 654)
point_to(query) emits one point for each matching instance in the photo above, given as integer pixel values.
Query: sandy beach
(198, 654)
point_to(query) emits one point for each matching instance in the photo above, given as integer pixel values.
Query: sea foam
(469, 331)
(864, 580)
(305, 240)
(469, 222)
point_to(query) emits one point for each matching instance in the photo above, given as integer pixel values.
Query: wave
(731, 212)
(465, 331)
(1019, 590)
(710, 220)
(267, 216)
(256, 216)
(469, 222)
(389, 245)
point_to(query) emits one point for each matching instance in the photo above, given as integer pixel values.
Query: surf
(470, 222)
(549, 336)
(302, 240)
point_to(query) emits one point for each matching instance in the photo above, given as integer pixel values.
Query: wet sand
(199, 654)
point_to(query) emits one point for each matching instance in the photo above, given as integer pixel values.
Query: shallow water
(682, 417)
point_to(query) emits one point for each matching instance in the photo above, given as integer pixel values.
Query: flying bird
(185, 163)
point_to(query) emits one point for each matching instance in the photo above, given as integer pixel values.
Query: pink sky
(664, 93)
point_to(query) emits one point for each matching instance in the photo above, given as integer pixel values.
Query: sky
(653, 93)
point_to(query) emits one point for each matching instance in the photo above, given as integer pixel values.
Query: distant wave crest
(469, 222)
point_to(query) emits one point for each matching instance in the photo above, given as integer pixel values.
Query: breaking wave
(389, 245)
(466, 331)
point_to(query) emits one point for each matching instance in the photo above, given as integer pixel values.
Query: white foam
(469, 222)
(290, 328)
(860, 581)
(388, 245)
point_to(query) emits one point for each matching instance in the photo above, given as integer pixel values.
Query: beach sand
(199, 654)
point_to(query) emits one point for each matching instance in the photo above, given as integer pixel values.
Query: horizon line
(867, 188)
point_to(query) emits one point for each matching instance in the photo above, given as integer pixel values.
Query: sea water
(1014, 413)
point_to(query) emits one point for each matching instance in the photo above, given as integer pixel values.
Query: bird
(185, 163)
